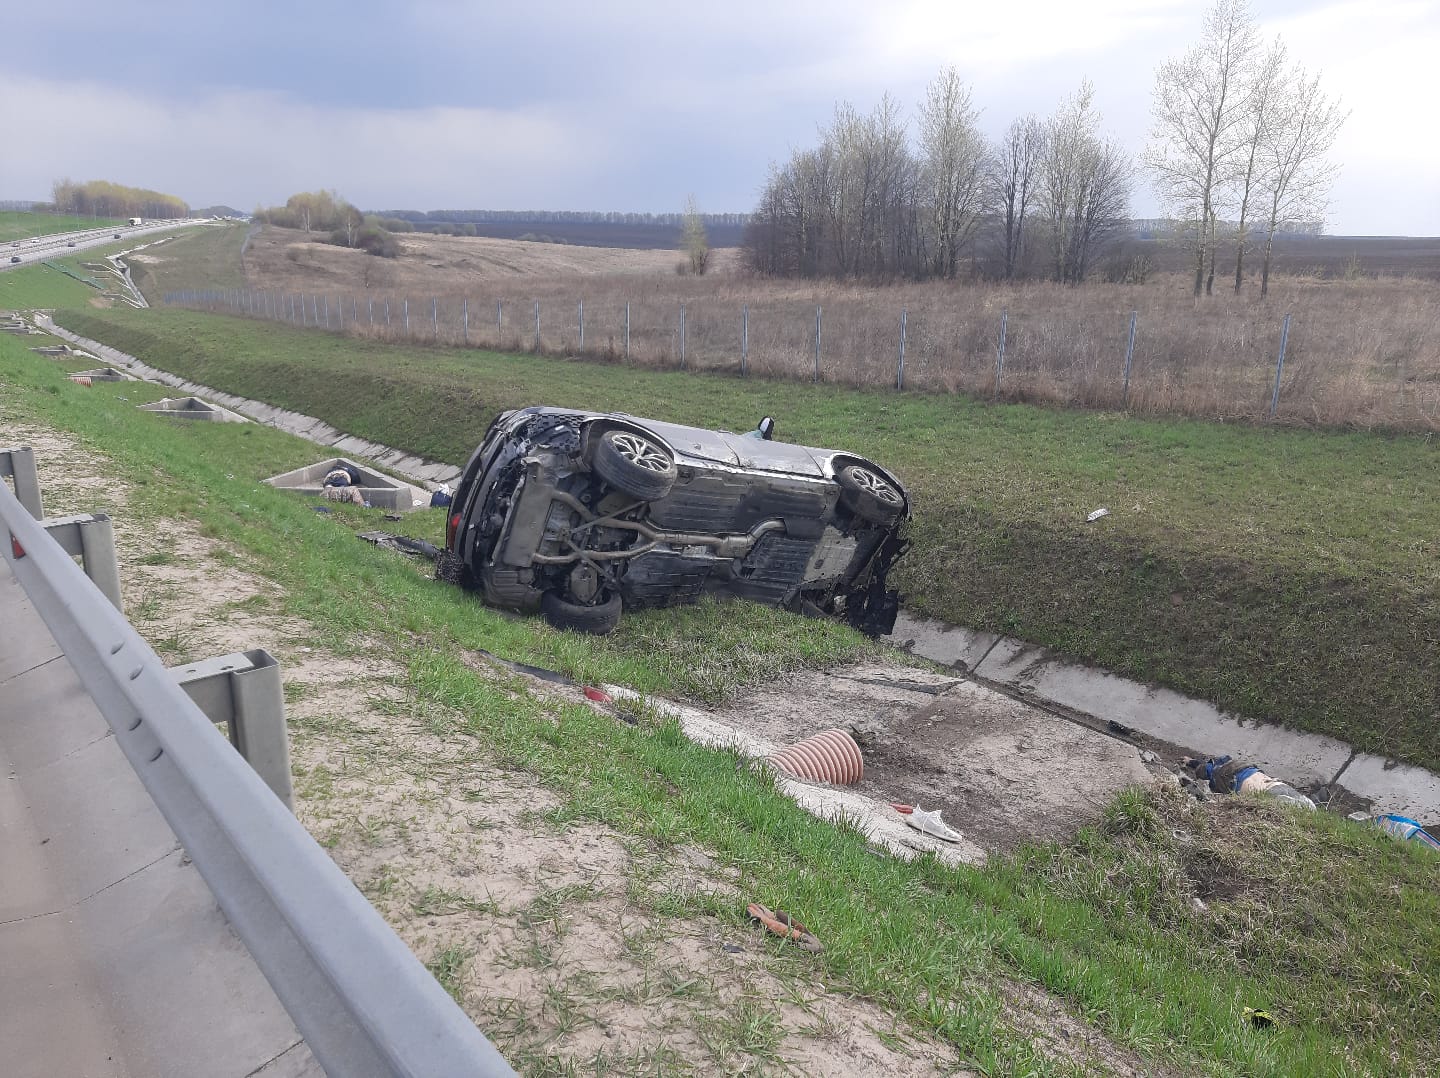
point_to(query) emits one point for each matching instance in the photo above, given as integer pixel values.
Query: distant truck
(135, 221)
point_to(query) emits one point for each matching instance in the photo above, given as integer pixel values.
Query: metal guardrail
(359, 996)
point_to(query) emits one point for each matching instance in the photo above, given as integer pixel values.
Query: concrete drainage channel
(1157, 720)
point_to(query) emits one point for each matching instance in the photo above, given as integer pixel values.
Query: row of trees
(1240, 135)
(326, 211)
(866, 202)
(100, 198)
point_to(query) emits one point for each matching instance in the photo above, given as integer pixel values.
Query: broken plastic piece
(1097, 515)
(782, 924)
(600, 696)
(1404, 828)
(930, 823)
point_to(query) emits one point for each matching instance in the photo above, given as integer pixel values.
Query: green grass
(18, 225)
(210, 254)
(1289, 575)
(39, 286)
(1333, 928)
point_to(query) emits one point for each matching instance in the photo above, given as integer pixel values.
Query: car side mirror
(766, 427)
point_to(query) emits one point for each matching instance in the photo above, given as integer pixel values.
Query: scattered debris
(1406, 829)
(832, 756)
(930, 823)
(1258, 1019)
(402, 543)
(785, 926)
(1093, 517)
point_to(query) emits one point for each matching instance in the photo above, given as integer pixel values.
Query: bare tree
(1200, 110)
(1084, 188)
(952, 169)
(697, 244)
(1013, 167)
(1262, 101)
(1294, 148)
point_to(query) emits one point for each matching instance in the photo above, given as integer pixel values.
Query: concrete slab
(949, 645)
(21, 649)
(115, 960)
(191, 408)
(380, 490)
(1394, 787)
(53, 715)
(91, 839)
(1300, 758)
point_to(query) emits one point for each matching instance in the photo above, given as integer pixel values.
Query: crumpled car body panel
(760, 520)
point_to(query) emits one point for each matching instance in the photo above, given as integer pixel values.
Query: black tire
(869, 495)
(634, 464)
(598, 620)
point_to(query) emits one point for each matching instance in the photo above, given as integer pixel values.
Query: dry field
(1363, 352)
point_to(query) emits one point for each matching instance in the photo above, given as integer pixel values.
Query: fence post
(537, 326)
(627, 329)
(900, 367)
(499, 317)
(304, 317)
(407, 317)
(1129, 355)
(1000, 352)
(682, 336)
(435, 318)
(745, 340)
(1280, 366)
(387, 312)
(292, 308)
(327, 312)
(340, 312)
(582, 326)
(816, 376)
(370, 308)
(465, 325)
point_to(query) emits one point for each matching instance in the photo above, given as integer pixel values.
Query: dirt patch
(1001, 771)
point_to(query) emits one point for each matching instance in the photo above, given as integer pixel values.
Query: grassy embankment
(1107, 924)
(20, 225)
(1288, 575)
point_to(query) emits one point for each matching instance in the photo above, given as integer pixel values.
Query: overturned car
(580, 514)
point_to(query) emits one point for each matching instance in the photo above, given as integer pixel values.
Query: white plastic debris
(930, 823)
(1097, 515)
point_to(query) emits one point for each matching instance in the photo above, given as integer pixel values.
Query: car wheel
(869, 495)
(598, 620)
(633, 464)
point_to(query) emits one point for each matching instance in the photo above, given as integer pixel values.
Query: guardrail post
(18, 462)
(243, 693)
(91, 538)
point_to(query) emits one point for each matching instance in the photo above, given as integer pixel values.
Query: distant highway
(59, 244)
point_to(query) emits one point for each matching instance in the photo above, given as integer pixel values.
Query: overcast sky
(627, 105)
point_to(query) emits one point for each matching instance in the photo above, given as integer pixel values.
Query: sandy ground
(1001, 771)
